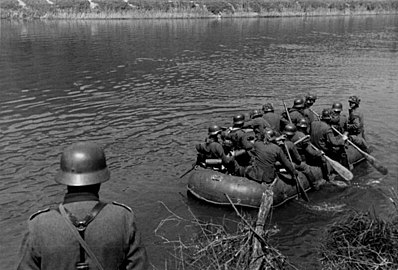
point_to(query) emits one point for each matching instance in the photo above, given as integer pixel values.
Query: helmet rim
(82, 179)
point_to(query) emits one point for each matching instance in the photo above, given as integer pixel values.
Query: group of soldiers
(295, 140)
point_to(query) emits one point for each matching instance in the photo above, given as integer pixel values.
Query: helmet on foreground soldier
(83, 164)
(311, 96)
(298, 103)
(255, 113)
(303, 123)
(289, 129)
(337, 107)
(326, 114)
(354, 99)
(214, 130)
(239, 119)
(271, 135)
(267, 107)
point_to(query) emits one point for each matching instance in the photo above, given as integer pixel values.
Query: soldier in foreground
(83, 232)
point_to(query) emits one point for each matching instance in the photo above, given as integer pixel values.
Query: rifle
(287, 112)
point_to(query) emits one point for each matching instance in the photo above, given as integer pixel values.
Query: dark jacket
(339, 122)
(264, 158)
(112, 236)
(274, 120)
(355, 124)
(323, 138)
(258, 125)
(295, 115)
(310, 115)
(212, 149)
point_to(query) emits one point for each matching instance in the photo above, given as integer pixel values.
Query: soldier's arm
(281, 157)
(136, 257)
(30, 259)
(333, 140)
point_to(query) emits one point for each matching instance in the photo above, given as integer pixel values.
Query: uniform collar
(80, 196)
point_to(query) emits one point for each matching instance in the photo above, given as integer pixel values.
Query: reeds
(362, 241)
(138, 9)
(218, 246)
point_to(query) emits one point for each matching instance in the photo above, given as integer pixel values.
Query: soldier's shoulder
(122, 205)
(39, 212)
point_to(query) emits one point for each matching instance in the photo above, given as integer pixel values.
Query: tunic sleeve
(30, 259)
(136, 257)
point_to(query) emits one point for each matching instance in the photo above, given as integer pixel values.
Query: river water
(148, 89)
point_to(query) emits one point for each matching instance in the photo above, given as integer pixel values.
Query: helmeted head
(337, 107)
(302, 123)
(267, 107)
(83, 164)
(310, 99)
(214, 130)
(289, 129)
(354, 101)
(271, 135)
(255, 113)
(326, 114)
(238, 120)
(298, 103)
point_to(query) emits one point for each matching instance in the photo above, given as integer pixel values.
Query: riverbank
(159, 9)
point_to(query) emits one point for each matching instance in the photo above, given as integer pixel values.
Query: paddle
(191, 169)
(373, 161)
(345, 173)
(300, 189)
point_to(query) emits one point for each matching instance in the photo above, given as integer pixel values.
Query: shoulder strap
(77, 235)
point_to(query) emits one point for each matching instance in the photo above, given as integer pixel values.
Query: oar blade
(345, 173)
(376, 164)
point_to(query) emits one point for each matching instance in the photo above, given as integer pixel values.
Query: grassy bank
(138, 9)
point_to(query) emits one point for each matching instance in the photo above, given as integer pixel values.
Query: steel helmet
(239, 119)
(337, 107)
(271, 135)
(255, 113)
(326, 113)
(298, 103)
(303, 123)
(354, 99)
(214, 130)
(83, 164)
(267, 107)
(311, 96)
(290, 129)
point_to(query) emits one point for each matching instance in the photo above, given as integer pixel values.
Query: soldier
(296, 113)
(257, 123)
(83, 232)
(308, 112)
(297, 152)
(211, 150)
(338, 120)
(271, 117)
(323, 138)
(265, 155)
(355, 124)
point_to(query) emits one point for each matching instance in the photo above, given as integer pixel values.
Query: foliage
(215, 246)
(117, 9)
(361, 241)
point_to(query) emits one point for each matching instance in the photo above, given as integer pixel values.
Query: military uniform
(356, 129)
(310, 115)
(295, 115)
(212, 149)
(112, 236)
(258, 125)
(264, 158)
(274, 120)
(339, 122)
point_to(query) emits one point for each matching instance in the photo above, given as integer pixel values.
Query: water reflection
(148, 89)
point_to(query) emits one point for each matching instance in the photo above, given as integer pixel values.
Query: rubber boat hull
(211, 186)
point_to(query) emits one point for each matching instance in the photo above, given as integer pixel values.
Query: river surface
(148, 89)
